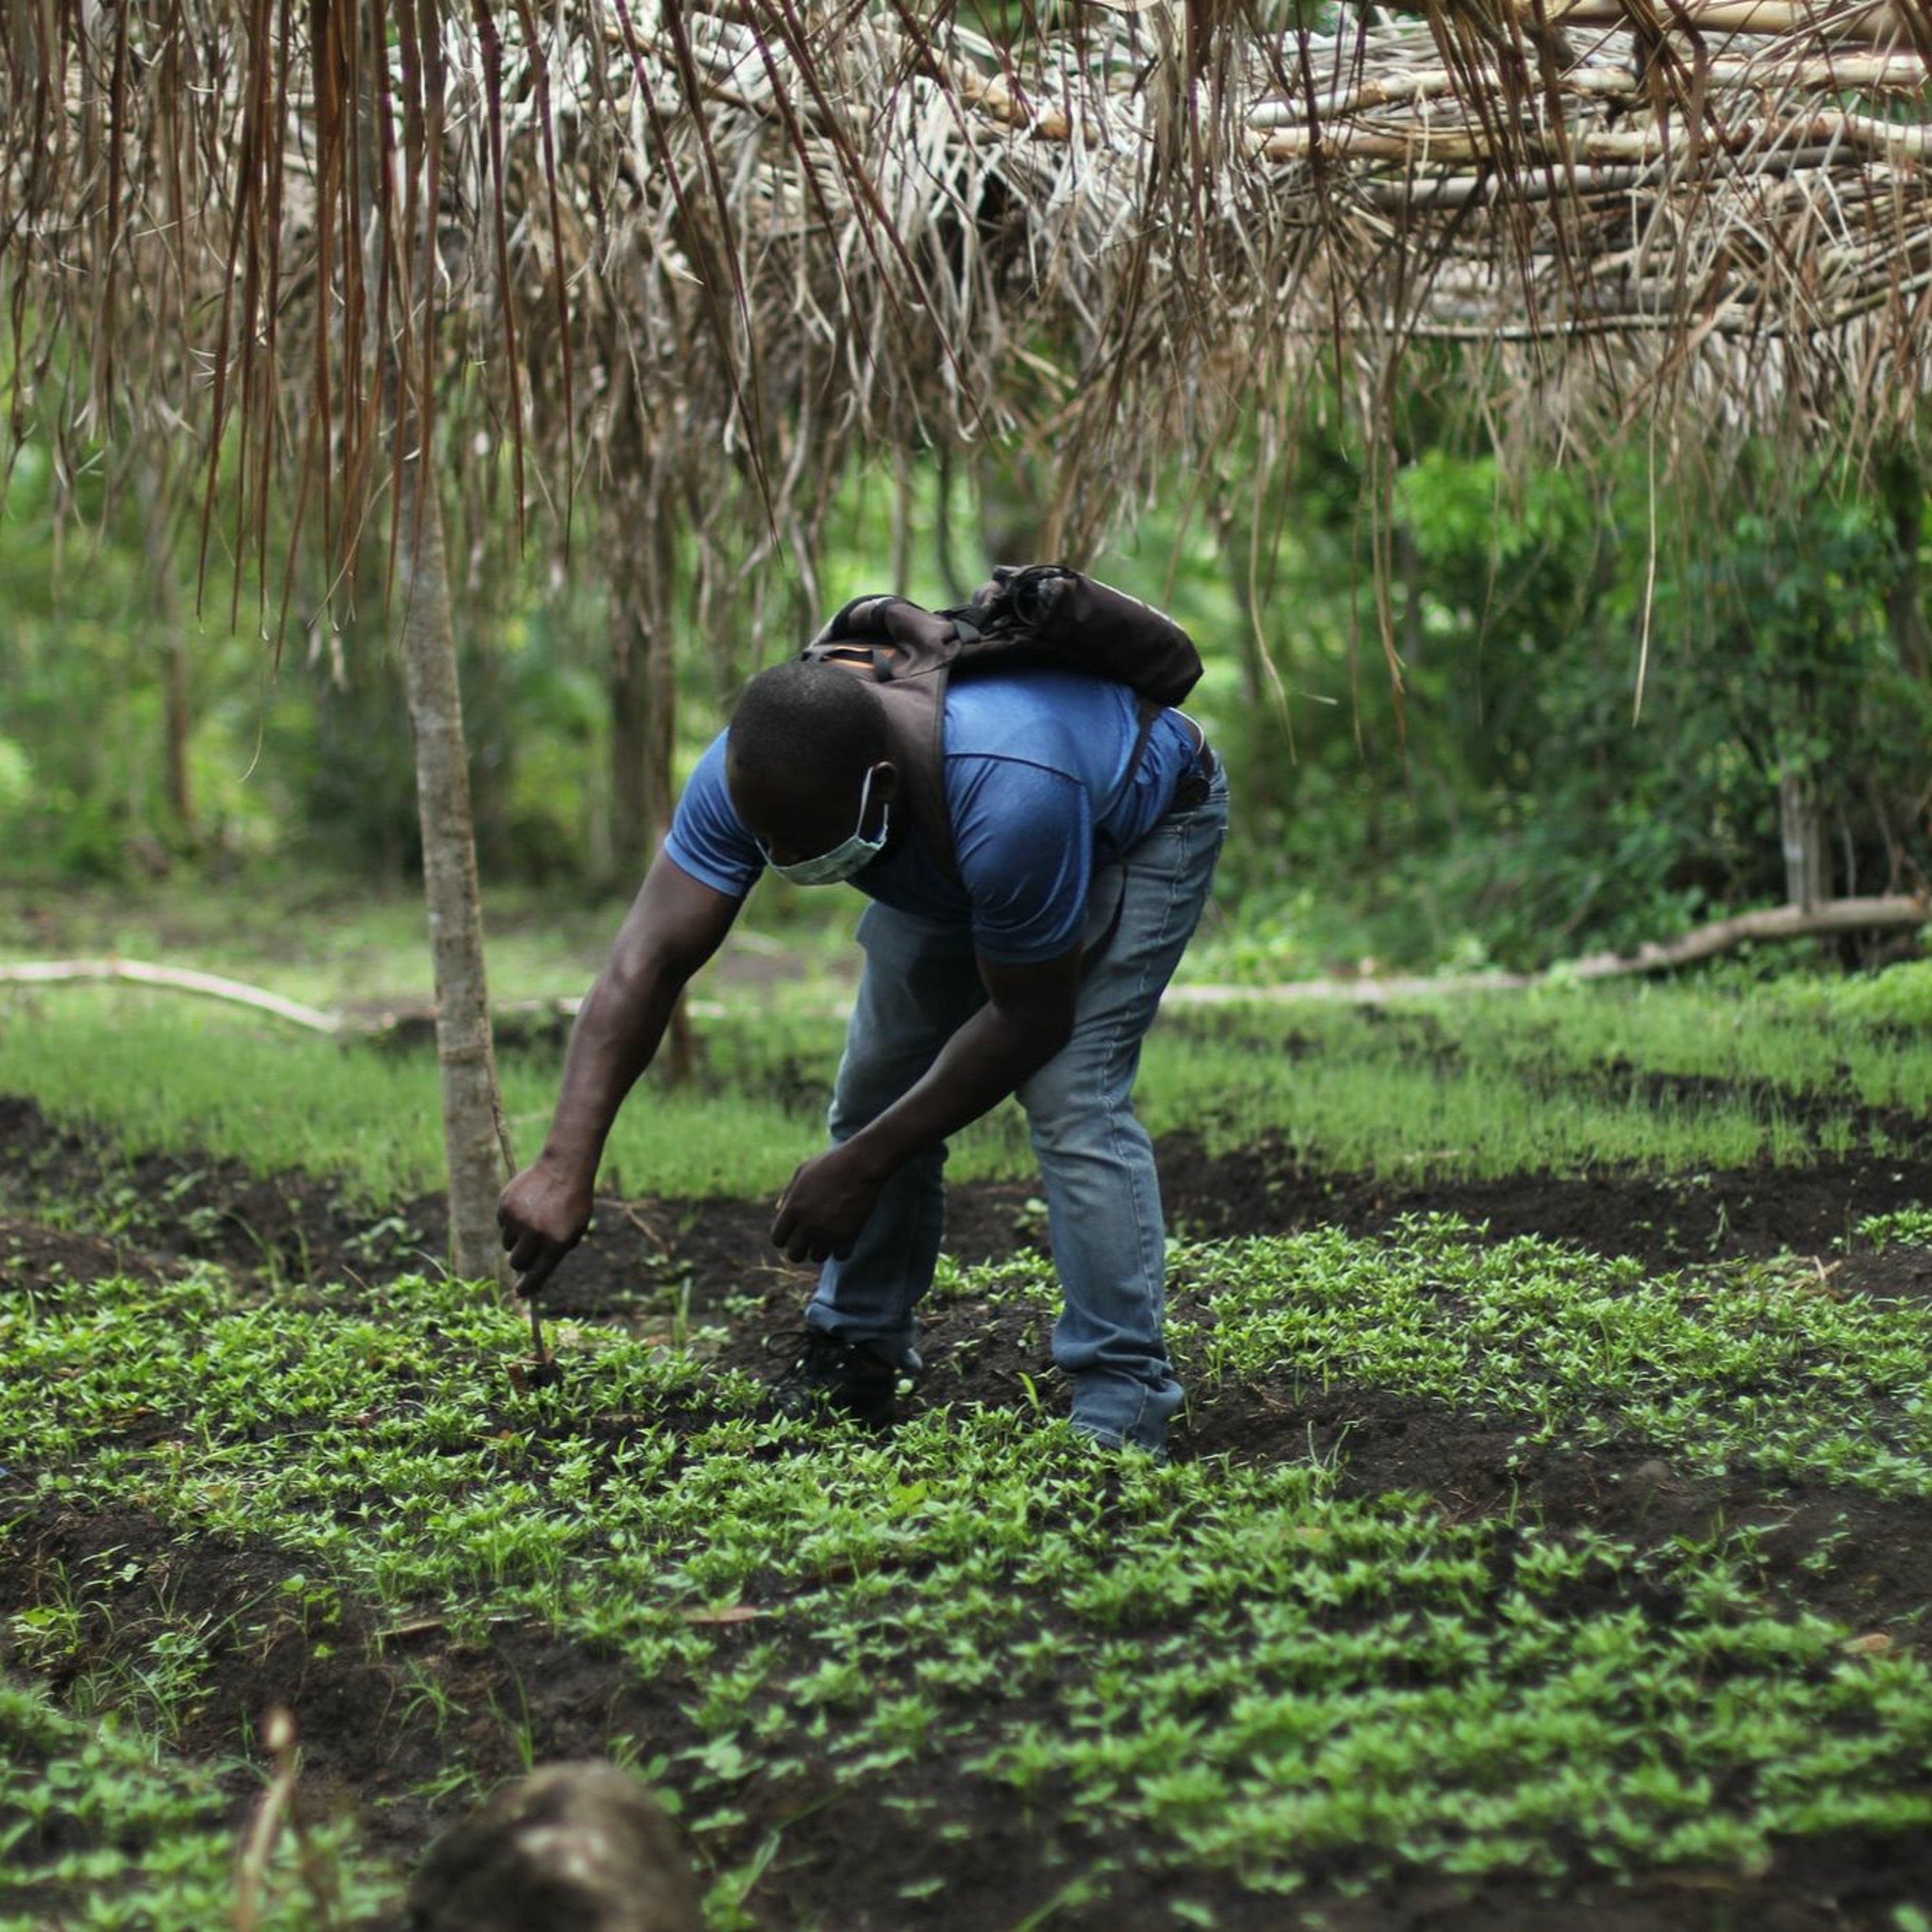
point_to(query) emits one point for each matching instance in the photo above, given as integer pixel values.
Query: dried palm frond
(697, 260)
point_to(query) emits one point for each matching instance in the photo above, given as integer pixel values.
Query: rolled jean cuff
(1119, 1410)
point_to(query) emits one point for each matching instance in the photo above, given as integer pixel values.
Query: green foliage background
(1603, 681)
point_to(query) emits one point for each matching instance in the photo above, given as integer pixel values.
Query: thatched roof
(669, 248)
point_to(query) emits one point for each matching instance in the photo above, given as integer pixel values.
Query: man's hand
(829, 1200)
(543, 1214)
(1026, 1019)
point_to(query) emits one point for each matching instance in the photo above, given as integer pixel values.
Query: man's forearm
(675, 925)
(619, 1029)
(991, 1056)
(1028, 1017)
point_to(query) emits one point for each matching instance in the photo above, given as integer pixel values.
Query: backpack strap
(910, 650)
(915, 709)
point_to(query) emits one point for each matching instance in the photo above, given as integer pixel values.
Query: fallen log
(533, 1019)
(173, 979)
(524, 1020)
(1894, 912)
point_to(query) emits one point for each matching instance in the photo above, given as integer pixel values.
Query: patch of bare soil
(374, 1746)
(297, 1227)
(1725, 1214)
(46, 1262)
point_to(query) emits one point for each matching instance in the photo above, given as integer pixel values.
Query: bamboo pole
(1871, 23)
(1759, 143)
(1608, 79)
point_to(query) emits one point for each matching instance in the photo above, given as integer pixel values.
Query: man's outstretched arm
(674, 926)
(1028, 1017)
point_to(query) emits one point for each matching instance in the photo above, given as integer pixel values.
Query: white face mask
(854, 855)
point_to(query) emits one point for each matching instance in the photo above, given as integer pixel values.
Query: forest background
(1618, 694)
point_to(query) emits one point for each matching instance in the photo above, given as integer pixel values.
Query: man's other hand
(543, 1214)
(829, 1200)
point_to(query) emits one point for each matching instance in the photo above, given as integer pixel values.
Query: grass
(1572, 1079)
(1286, 1686)
(1664, 1077)
(334, 945)
(1278, 1680)
(152, 1071)
(317, 944)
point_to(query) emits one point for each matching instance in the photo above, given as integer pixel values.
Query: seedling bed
(1683, 1623)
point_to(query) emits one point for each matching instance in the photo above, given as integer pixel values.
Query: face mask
(854, 855)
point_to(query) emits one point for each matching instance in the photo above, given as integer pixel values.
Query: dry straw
(682, 256)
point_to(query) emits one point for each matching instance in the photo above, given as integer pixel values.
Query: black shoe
(832, 1376)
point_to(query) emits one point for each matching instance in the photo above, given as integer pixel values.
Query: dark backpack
(1029, 616)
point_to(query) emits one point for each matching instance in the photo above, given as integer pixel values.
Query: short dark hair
(811, 722)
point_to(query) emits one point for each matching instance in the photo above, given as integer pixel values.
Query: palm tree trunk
(164, 613)
(627, 685)
(475, 1139)
(179, 712)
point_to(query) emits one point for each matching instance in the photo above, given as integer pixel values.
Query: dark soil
(370, 1745)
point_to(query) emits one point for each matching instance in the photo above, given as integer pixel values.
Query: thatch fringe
(683, 255)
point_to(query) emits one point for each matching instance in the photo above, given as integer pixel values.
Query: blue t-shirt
(1036, 779)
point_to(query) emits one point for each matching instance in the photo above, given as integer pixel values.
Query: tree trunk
(180, 725)
(1905, 497)
(1015, 527)
(164, 613)
(1903, 485)
(1405, 555)
(660, 705)
(1266, 725)
(474, 1137)
(643, 687)
(1802, 825)
(633, 732)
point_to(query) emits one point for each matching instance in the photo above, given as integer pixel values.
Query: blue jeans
(919, 986)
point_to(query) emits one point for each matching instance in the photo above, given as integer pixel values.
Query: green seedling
(1272, 1675)
(1284, 1671)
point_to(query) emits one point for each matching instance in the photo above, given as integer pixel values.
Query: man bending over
(1083, 840)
